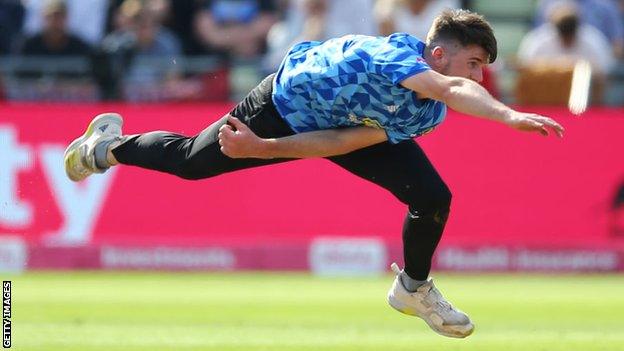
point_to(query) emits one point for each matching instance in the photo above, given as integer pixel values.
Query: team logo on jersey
(392, 108)
(369, 122)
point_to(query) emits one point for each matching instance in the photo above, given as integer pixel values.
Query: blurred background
(200, 50)
(522, 204)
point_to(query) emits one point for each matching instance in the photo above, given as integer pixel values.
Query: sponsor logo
(79, 203)
(347, 256)
(473, 260)
(426, 131)
(369, 122)
(504, 259)
(168, 258)
(560, 260)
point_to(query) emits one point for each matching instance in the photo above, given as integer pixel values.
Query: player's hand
(237, 140)
(531, 122)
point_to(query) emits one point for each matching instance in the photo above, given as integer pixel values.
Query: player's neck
(429, 59)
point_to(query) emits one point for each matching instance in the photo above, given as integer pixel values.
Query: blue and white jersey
(354, 80)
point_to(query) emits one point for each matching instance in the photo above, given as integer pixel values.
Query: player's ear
(438, 52)
(439, 55)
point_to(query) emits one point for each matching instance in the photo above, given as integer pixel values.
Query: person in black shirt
(55, 39)
(11, 20)
(236, 28)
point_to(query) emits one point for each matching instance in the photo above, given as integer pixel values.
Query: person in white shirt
(318, 20)
(85, 18)
(410, 16)
(565, 40)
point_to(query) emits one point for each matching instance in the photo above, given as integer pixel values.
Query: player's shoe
(80, 154)
(428, 303)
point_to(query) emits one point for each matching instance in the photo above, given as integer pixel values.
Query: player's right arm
(467, 96)
(238, 141)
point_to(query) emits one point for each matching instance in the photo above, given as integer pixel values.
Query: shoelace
(440, 302)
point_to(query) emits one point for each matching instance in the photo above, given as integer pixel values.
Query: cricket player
(357, 101)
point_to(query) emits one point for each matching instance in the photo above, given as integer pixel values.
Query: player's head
(460, 43)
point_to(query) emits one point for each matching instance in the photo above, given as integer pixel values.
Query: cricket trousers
(403, 169)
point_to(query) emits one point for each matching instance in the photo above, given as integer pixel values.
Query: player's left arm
(467, 96)
(238, 141)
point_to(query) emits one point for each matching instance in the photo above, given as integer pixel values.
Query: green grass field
(260, 311)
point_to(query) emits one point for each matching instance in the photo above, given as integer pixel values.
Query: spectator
(137, 40)
(318, 20)
(142, 58)
(85, 18)
(564, 40)
(178, 16)
(179, 19)
(236, 28)
(410, 16)
(601, 14)
(11, 21)
(548, 54)
(324, 19)
(55, 39)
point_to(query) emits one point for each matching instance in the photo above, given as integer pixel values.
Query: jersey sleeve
(399, 58)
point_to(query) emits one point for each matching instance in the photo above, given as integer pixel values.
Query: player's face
(467, 62)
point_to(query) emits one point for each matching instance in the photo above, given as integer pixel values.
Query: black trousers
(403, 169)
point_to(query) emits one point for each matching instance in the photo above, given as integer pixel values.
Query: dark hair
(567, 27)
(566, 21)
(467, 28)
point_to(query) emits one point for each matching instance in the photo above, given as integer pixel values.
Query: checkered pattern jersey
(355, 80)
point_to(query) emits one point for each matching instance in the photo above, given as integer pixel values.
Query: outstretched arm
(238, 141)
(467, 96)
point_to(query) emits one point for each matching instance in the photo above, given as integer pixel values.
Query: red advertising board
(511, 190)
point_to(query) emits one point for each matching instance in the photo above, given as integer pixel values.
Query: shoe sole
(72, 153)
(460, 331)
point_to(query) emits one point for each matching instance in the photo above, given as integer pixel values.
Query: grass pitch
(260, 311)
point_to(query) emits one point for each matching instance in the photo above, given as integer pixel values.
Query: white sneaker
(428, 303)
(79, 155)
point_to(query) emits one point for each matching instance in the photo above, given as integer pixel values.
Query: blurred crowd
(184, 50)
